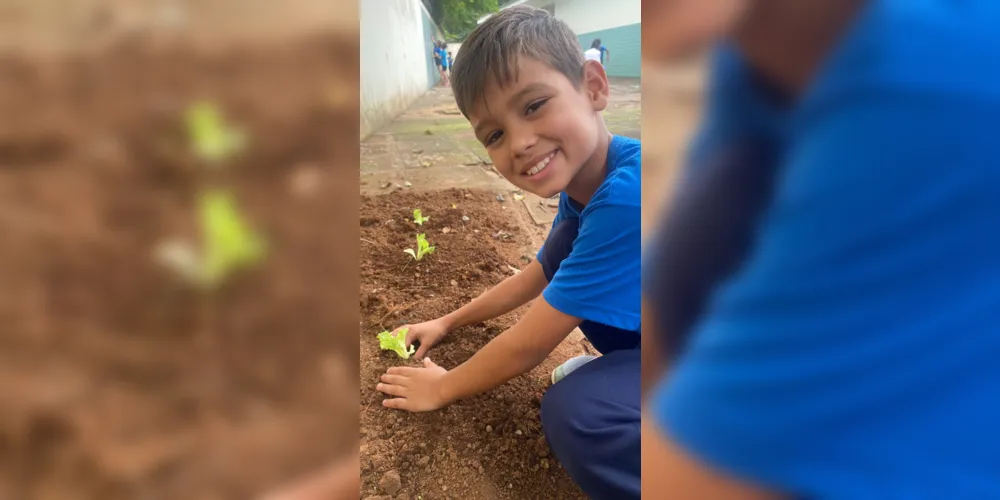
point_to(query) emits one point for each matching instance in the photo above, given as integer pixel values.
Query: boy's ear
(595, 84)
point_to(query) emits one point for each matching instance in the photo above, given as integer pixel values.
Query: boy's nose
(524, 141)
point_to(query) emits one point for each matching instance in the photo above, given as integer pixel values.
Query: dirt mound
(489, 446)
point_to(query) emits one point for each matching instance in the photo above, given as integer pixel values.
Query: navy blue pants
(591, 418)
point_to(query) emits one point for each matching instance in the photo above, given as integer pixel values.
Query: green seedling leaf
(396, 343)
(229, 243)
(418, 218)
(423, 248)
(211, 138)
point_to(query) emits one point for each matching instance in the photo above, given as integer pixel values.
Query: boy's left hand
(415, 389)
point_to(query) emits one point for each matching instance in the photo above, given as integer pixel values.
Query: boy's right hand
(428, 333)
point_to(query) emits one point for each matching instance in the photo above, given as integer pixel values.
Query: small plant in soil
(228, 243)
(418, 217)
(396, 343)
(213, 140)
(423, 248)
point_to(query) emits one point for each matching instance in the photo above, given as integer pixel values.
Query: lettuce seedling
(212, 139)
(418, 218)
(229, 242)
(423, 248)
(396, 343)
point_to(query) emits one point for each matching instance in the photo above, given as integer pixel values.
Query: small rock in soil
(454, 283)
(390, 483)
(446, 230)
(424, 460)
(408, 184)
(518, 432)
(489, 428)
(542, 447)
(465, 218)
(500, 198)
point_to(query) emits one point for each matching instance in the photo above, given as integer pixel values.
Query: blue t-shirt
(600, 281)
(854, 353)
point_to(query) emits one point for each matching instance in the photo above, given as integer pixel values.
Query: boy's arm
(510, 294)
(514, 352)
(510, 354)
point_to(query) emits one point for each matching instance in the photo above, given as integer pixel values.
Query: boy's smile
(541, 131)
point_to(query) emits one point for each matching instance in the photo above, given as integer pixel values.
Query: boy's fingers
(422, 350)
(391, 389)
(395, 379)
(410, 337)
(428, 363)
(401, 370)
(396, 403)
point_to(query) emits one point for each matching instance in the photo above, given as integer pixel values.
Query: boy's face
(540, 130)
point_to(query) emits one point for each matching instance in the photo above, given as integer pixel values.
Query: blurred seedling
(228, 244)
(212, 139)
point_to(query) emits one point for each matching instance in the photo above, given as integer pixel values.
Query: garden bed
(116, 380)
(489, 446)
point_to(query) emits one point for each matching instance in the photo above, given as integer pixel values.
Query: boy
(535, 104)
(847, 336)
(451, 61)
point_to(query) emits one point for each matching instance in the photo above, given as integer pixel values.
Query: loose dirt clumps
(490, 446)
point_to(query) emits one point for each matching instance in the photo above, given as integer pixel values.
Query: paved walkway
(431, 146)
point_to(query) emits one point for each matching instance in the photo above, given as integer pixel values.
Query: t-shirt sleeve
(864, 319)
(600, 279)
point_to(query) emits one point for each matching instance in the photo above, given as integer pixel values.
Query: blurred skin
(785, 41)
(342, 479)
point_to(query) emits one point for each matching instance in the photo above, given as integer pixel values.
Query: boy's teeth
(540, 165)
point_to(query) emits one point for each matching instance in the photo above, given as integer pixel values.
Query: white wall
(584, 16)
(396, 66)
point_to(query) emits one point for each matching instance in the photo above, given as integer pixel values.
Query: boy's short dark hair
(492, 50)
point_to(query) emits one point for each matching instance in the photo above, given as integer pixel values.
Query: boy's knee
(596, 439)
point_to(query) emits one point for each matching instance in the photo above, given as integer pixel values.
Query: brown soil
(116, 380)
(489, 446)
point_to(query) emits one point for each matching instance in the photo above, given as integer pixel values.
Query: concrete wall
(617, 24)
(396, 62)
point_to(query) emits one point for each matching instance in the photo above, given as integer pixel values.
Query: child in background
(443, 51)
(535, 104)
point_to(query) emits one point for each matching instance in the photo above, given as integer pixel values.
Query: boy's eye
(535, 106)
(493, 137)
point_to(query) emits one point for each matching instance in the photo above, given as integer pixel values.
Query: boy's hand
(429, 333)
(416, 389)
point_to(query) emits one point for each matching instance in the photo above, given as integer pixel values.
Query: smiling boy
(535, 104)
